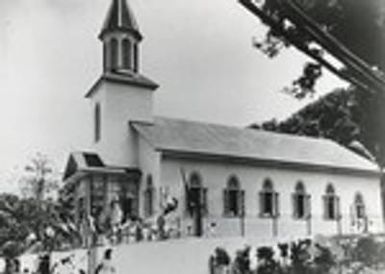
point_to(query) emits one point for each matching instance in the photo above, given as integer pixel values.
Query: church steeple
(121, 37)
(122, 94)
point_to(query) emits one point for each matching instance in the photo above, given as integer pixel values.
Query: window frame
(233, 190)
(359, 203)
(203, 194)
(330, 198)
(300, 192)
(268, 189)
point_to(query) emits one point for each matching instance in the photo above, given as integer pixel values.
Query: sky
(200, 52)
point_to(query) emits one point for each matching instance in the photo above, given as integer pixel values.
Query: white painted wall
(215, 176)
(149, 163)
(188, 256)
(121, 104)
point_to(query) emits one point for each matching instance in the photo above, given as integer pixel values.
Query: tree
(35, 220)
(348, 38)
(330, 33)
(39, 179)
(347, 116)
(27, 222)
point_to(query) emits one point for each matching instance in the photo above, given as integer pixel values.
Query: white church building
(227, 180)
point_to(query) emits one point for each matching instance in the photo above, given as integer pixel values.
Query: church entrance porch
(112, 199)
(105, 198)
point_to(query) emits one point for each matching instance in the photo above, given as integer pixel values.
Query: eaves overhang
(272, 163)
(132, 80)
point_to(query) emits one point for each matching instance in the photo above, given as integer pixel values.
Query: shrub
(242, 262)
(220, 259)
(324, 261)
(300, 257)
(366, 252)
(284, 250)
(267, 263)
(221, 256)
(265, 254)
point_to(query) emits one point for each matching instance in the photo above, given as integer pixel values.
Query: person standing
(116, 220)
(106, 266)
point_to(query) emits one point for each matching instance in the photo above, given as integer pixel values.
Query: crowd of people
(163, 226)
(41, 264)
(119, 230)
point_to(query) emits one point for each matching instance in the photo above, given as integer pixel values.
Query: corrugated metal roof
(211, 139)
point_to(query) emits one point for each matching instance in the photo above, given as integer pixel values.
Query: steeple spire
(121, 37)
(120, 18)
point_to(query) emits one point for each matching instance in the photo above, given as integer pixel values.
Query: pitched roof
(181, 136)
(120, 17)
(91, 162)
(81, 160)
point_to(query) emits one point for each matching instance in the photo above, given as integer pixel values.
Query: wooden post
(275, 226)
(241, 200)
(90, 234)
(338, 227)
(339, 217)
(309, 228)
(243, 225)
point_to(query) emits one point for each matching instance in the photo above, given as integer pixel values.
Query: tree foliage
(27, 222)
(353, 33)
(36, 220)
(39, 180)
(350, 117)
(345, 36)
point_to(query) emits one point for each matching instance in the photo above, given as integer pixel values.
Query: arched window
(301, 202)
(268, 200)
(330, 189)
(149, 194)
(97, 122)
(359, 206)
(331, 204)
(233, 198)
(196, 195)
(114, 53)
(195, 180)
(126, 47)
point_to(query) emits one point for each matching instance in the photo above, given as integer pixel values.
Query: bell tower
(122, 94)
(121, 37)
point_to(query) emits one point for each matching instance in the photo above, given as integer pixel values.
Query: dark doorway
(129, 203)
(197, 203)
(127, 207)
